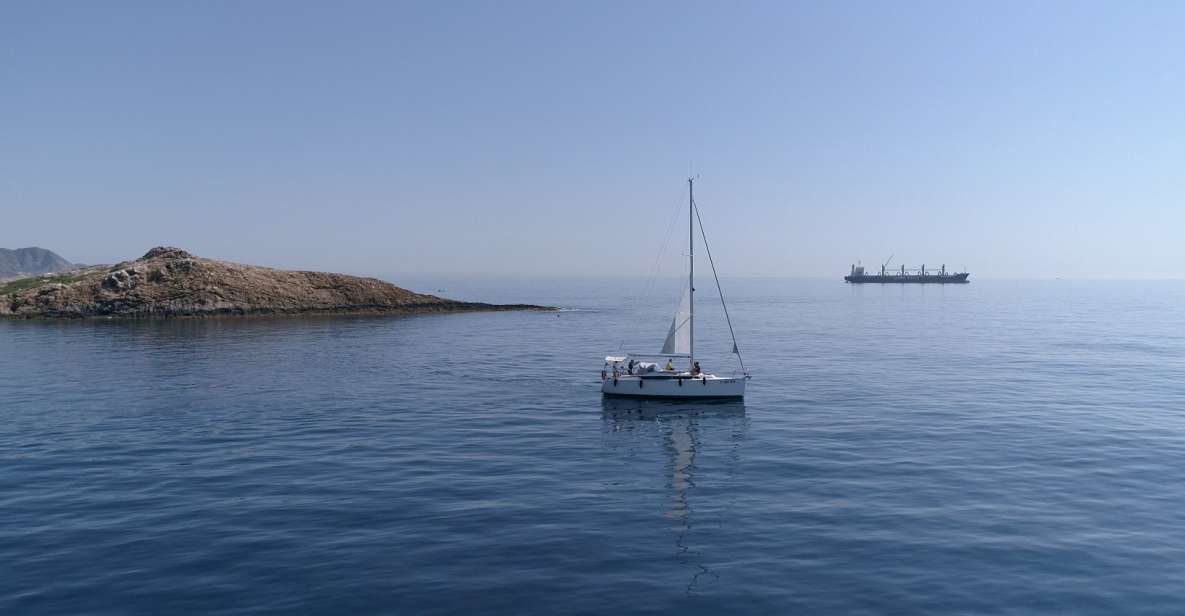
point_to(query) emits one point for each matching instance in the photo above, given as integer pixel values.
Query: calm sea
(1000, 447)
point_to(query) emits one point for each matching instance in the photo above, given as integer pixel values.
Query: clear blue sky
(552, 138)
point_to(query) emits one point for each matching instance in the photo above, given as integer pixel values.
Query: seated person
(695, 371)
(670, 367)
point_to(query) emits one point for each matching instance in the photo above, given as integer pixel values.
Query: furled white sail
(679, 337)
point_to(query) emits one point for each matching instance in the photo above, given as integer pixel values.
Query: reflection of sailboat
(680, 446)
(633, 409)
(682, 440)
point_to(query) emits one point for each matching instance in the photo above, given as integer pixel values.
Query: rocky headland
(169, 282)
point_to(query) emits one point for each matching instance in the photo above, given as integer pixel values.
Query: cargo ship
(905, 276)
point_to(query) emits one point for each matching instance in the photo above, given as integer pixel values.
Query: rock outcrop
(169, 282)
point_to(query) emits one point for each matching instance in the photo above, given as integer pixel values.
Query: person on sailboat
(630, 370)
(670, 366)
(695, 369)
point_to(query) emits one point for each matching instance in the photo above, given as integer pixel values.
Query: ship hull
(909, 278)
(674, 388)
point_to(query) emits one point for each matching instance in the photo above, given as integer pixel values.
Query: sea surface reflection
(998, 447)
(684, 428)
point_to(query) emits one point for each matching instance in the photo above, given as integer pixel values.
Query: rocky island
(169, 282)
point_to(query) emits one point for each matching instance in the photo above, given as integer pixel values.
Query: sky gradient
(1020, 139)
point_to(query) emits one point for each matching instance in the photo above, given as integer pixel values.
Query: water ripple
(1003, 447)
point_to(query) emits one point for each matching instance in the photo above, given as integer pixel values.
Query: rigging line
(666, 238)
(735, 349)
(653, 275)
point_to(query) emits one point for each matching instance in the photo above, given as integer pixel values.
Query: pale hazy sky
(554, 138)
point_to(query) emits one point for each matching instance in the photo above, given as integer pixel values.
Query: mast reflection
(684, 425)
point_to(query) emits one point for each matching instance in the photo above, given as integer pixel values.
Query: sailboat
(644, 376)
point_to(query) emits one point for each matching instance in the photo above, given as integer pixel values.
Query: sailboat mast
(691, 267)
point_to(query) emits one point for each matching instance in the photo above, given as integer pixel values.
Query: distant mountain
(31, 262)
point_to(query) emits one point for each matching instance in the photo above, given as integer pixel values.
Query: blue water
(999, 448)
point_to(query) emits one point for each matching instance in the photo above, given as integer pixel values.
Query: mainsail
(679, 337)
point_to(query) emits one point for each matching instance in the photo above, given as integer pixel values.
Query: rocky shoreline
(171, 283)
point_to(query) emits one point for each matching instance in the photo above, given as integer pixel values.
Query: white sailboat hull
(707, 386)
